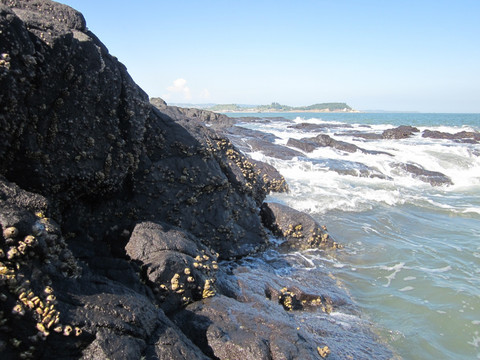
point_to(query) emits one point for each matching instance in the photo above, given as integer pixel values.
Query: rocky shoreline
(131, 230)
(126, 228)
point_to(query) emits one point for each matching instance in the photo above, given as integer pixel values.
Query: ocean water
(411, 259)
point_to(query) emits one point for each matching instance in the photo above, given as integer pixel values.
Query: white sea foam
(472, 210)
(396, 269)
(438, 270)
(475, 340)
(400, 221)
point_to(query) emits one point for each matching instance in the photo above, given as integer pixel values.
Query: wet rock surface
(299, 230)
(434, 178)
(346, 167)
(121, 222)
(323, 140)
(267, 316)
(401, 132)
(463, 136)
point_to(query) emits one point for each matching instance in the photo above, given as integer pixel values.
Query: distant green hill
(336, 106)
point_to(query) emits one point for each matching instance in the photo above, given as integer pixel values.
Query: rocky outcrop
(122, 224)
(322, 140)
(82, 133)
(463, 136)
(203, 116)
(401, 132)
(434, 178)
(299, 230)
(266, 316)
(84, 146)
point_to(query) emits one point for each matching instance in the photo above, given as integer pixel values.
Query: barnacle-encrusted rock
(114, 213)
(257, 314)
(180, 269)
(300, 230)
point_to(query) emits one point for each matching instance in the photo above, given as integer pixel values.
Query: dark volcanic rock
(464, 136)
(92, 314)
(274, 181)
(401, 132)
(303, 144)
(47, 99)
(113, 214)
(310, 144)
(267, 316)
(434, 178)
(273, 150)
(346, 167)
(241, 132)
(241, 137)
(79, 131)
(300, 230)
(178, 266)
(363, 135)
(203, 116)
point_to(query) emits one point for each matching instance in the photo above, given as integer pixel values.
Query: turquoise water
(395, 119)
(412, 250)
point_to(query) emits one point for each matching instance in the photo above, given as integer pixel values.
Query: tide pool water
(412, 250)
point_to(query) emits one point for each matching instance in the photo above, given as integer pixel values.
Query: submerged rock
(434, 178)
(346, 167)
(310, 144)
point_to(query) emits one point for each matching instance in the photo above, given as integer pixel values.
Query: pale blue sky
(373, 54)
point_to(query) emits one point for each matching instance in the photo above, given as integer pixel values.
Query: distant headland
(273, 107)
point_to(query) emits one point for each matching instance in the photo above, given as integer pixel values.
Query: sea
(411, 255)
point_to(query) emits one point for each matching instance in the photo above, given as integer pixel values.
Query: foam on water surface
(411, 256)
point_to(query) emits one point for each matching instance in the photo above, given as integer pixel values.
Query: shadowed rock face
(81, 132)
(114, 213)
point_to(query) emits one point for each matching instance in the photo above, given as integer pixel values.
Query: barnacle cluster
(5, 61)
(323, 302)
(294, 231)
(26, 294)
(320, 238)
(194, 282)
(246, 167)
(275, 185)
(295, 300)
(323, 351)
(317, 238)
(289, 300)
